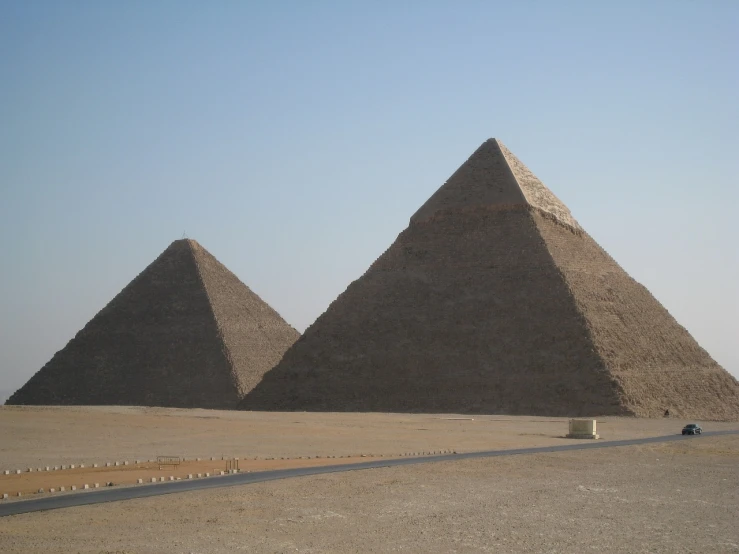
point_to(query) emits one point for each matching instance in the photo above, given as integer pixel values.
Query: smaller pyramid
(185, 333)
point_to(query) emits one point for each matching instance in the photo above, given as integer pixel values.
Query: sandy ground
(666, 498)
(37, 437)
(40, 436)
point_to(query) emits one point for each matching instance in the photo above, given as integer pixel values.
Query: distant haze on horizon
(295, 140)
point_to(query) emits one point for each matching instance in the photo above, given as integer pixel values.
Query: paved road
(142, 491)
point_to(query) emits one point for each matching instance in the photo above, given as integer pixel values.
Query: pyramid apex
(494, 177)
(184, 243)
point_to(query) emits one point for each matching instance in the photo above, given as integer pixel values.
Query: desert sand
(34, 436)
(672, 497)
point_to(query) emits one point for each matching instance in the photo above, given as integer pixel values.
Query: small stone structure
(582, 429)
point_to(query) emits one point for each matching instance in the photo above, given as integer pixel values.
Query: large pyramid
(495, 300)
(184, 333)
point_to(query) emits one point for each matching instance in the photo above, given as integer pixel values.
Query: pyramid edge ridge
(235, 381)
(239, 380)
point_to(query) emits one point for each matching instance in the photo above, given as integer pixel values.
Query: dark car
(692, 429)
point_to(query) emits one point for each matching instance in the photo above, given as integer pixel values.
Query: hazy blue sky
(294, 140)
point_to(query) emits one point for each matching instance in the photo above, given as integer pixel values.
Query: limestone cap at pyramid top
(493, 176)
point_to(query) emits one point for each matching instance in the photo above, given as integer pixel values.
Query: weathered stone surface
(655, 361)
(494, 300)
(184, 333)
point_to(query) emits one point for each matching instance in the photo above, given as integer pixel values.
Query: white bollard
(94, 465)
(47, 468)
(19, 494)
(73, 488)
(107, 464)
(171, 478)
(139, 481)
(125, 462)
(5, 495)
(30, 469)
(153, 479)
(223, 473)
(86, 486)
(97, 485)
(82, 466)
(207, 474)
(52, 490)
(189, 475)
(161, 479)
(61, 489)
(118, 463)
(200, 475)
(40, 491)
(6, 472)
(17, 471)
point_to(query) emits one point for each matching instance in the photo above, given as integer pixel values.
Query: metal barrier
(168, 461)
